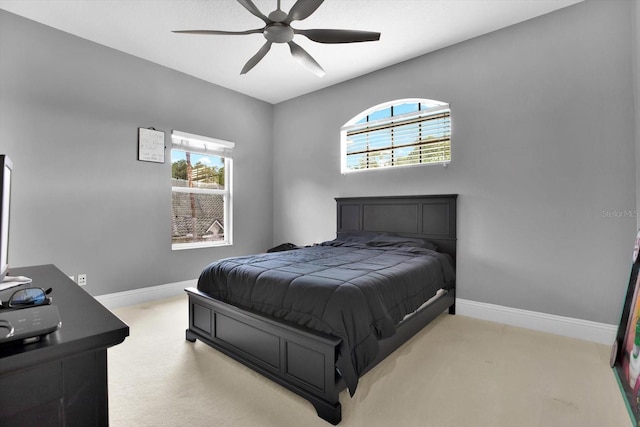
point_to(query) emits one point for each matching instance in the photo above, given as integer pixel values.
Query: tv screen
(5, 198)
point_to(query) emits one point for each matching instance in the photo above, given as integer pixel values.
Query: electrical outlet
(82, 279)
(72, 278)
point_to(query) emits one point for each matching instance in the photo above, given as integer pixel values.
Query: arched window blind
(406, 132)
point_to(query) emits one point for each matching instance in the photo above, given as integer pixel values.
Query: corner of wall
(635, 45)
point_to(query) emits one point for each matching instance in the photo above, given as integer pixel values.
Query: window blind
(201, 144)
(419, 137)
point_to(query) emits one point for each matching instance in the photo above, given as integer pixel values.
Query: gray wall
(543, 159)
(69, 116)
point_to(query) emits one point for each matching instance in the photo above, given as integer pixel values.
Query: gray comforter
(350, 290)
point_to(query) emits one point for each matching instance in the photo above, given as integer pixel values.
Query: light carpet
(456, 372)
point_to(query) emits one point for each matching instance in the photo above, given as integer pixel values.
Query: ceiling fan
(278, 29)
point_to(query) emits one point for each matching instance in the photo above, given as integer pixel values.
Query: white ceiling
(409, 28)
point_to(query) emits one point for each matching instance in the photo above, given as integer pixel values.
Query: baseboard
(601, 333)
(144, 295)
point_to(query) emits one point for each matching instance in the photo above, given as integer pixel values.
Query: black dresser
(60, 380)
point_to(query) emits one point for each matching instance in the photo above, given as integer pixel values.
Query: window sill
(198, 245)
(444, 163)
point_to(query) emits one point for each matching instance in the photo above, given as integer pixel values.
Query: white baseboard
(601, 333)
(144, 295)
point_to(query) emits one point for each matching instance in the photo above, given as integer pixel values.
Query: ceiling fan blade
(339, 36)
(258, 30)
(256, 58)
(253, 9)
(302, 9)
(305, 59)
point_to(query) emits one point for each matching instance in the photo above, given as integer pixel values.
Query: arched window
(405, 132)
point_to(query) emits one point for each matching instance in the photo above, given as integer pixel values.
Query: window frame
(434, 107)
(204, 145)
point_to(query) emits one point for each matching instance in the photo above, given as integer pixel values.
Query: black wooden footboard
(298, 360)
(301, 361)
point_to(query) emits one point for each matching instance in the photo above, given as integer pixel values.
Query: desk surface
(86, 324)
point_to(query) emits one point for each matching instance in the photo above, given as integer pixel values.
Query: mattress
(357, 291)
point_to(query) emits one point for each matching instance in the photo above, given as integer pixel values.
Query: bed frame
(302, 360)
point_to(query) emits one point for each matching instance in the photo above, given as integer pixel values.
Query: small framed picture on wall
(151, 145)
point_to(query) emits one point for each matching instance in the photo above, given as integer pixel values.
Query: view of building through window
(201, 195)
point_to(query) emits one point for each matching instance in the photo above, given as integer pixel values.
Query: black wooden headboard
(431, 217)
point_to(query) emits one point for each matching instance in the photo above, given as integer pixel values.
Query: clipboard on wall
(151, 145)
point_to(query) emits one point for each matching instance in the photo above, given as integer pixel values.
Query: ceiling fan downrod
(278, 15)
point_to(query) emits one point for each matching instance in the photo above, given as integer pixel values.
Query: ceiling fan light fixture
(278, 33)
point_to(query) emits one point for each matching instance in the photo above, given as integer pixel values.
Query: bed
(315, 319)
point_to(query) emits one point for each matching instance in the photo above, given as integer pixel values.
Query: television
(5, 199)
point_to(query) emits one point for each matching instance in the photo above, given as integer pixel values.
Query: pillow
(357, 236)
(399, 241)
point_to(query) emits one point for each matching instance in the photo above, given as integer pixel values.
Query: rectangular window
(402, 135)
(201, 191)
